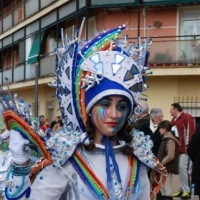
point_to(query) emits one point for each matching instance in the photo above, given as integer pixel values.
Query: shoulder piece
(142, 148)
(63, 144)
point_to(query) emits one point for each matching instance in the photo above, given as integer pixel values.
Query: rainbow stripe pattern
(95, 185)
(14, 122)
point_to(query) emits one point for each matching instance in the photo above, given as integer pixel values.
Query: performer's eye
(104, 102)
(121, 106)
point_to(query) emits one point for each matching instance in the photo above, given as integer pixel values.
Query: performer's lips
(112, 123)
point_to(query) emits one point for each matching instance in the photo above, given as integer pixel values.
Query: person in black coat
(151, 128)
(193, 151)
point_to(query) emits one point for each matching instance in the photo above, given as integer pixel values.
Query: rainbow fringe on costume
(96, 186)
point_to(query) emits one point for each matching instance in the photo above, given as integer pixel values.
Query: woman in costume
(97, 155)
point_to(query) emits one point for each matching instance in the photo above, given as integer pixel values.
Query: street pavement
(176, 186)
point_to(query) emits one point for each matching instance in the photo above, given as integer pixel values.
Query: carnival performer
(97, 155)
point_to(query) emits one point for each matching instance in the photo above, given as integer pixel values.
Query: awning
(35, 49)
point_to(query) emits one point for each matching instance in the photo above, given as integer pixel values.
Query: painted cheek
(102, 112)
(120, 121)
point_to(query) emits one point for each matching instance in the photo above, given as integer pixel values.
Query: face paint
(109, 115)
(102, 112)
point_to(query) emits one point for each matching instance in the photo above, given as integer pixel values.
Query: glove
(19, 151)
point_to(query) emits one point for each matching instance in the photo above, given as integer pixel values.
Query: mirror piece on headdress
(99, 67)
(134, 70)
(69, 108)
(140, 86)
(67, 71)
(119, 58)
(77, 129)
(71, 125)
(115, 68)
(128, 76)
(134, 88)
(95, 58)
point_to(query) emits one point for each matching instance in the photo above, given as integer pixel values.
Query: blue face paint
(109, 115)
(102, 112)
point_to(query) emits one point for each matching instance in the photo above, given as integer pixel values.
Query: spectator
(193, 151)
(143, 117)
(44, 127)
(58, 126)
(54, 122)
(168, 156)
(41, 120)
(186, 128)
(151, 128)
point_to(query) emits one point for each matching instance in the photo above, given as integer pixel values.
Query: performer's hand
(20, 152)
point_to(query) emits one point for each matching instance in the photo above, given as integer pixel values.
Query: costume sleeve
(49, 184)
(193, 146)
(170, 147)
(144, 184)
(18, 187)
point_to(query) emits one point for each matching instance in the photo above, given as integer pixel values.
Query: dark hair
(123, 134)
(177, 106)
(167, 125)
(41, 116)
(61, 123)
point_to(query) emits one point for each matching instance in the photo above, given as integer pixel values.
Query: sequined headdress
(104, 66)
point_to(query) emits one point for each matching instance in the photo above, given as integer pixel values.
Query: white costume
(85, 76)
(54, 181)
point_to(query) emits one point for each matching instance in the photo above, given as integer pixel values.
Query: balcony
(175, 52)
(166, 52)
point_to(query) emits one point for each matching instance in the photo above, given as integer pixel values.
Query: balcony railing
(175, 52)
(25, 71)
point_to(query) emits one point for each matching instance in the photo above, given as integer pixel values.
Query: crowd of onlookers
(49, 128)
(176, 145)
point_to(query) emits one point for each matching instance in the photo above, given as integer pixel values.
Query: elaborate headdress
(103, 66)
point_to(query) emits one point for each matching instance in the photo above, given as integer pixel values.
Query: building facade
(30, 31)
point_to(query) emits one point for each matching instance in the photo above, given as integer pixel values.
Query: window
(7, 58)
(18, 11)
(191, 106)
(190, 22)
(91, 28)
(189, 28)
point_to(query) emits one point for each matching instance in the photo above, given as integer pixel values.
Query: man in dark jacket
(151, 128)
(193, 151)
